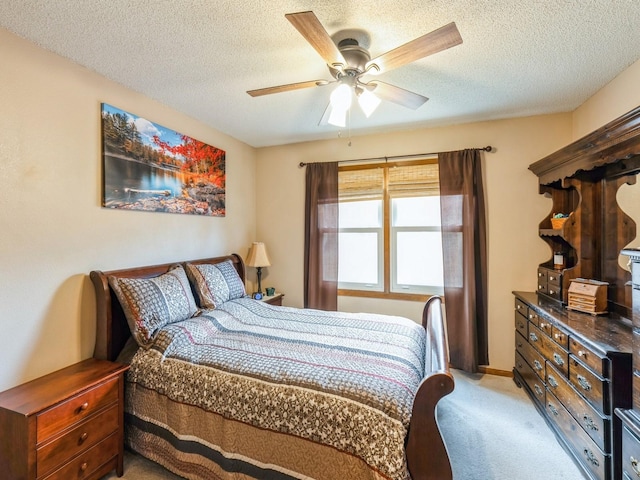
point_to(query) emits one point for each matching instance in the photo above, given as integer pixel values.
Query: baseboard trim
(495, 371)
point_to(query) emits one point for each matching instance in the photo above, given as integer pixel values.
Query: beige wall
(52, 228)
(616, 98)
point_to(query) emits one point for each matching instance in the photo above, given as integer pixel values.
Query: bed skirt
(197, 444)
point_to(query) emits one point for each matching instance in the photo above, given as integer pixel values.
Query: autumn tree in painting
(205, 163)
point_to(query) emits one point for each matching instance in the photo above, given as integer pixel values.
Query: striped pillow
(215, 284)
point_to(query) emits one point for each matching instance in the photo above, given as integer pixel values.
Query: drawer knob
(83, 437)
(542, 325)
(552, 292)
(584, 383)
(537, 365)
(552, 278)
(533, 337)
(83, 467)
(552, 381)
(538, 390)
(519, 307)
(582, 353)
(553, 409)
(591, 457)
(589, 423)
(84, 406)
(558, 359)
(634, 465)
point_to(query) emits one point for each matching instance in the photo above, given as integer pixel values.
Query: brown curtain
(321, 236)
(465, 258)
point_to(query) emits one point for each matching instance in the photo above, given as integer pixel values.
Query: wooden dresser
(67, 425)
(631, 417)
(577, 369)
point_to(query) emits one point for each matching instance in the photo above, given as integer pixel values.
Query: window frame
(387, 252)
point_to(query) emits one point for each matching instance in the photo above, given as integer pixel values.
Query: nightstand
(273, 299)
(65, 425)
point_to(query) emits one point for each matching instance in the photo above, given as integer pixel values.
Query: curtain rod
(395, 157)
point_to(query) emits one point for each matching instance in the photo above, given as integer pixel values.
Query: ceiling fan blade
(428, 44)
(286, 88)
(386, 91)
(312, 30)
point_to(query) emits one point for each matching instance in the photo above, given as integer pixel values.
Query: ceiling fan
(348, 62)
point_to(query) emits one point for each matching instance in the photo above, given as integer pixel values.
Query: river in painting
(133, 185)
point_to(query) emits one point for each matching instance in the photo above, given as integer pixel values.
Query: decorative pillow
(215, 284)
(151, 303)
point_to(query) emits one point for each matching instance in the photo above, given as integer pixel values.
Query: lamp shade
(258, 256)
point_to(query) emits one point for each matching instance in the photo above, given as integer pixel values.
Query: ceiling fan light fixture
(337, 118)
(341, 97)
(368, 102)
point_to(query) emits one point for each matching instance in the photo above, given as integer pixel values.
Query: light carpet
(492, 430)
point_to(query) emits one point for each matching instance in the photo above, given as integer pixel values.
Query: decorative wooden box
(589, 296)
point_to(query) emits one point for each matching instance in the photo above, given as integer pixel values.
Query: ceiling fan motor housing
(355, 56)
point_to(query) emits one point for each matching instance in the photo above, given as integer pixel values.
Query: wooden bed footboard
(426, 452)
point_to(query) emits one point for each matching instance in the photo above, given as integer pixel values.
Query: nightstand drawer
(77, 440)
(87, 463)
(75, 409)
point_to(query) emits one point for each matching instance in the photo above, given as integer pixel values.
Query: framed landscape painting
(152, 168)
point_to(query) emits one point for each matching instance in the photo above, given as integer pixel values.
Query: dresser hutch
(582, 370)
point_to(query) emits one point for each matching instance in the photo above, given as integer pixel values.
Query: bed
(250, 390)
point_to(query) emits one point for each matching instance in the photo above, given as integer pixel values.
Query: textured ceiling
(517, 58)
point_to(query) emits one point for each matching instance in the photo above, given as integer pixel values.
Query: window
(389, 230)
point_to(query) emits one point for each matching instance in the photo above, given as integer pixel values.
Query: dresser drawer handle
(634, 465)
(83, 467)
(537, 365)
(538, 390)
(591, 457)
(558, 336)
(552, 292)
(552, 278)
(589, 423)
(558, 359)
(532, 316)
(582, 353)
(533, 337)
(553, 409)
(584, 383)
(83, 437)
(520, 324)
(83, 407)
(552, 381)
(518, 307)
(542, 325)
(519, 365)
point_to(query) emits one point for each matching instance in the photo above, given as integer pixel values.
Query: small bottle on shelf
(559, 262)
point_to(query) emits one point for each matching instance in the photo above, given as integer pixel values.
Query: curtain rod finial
(302, 164)
(488, 148)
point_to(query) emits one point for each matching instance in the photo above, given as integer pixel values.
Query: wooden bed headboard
(112, 329)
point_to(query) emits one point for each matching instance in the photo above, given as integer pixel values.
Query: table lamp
(258, 258)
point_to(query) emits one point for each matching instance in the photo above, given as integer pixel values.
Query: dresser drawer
(530, 355)
(545, 325)
(592, 387)
(535, 385)
(597, 363)
(76, 440)
(521, 324)
(630, 453)
(560, 337)
(65, 414)
(586, 451)
(596, 426)
(521, 308)
(88, 462)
